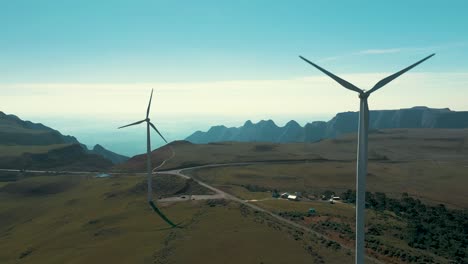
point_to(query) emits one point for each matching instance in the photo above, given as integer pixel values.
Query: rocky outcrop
(112, 156)
(342, 123)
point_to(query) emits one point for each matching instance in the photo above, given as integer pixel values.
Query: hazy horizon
(132, 141)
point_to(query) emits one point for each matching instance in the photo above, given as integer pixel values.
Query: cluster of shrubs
(393, 252)
(342, 228)
(326, 195)
(294, 215)
(329, 244)
(255, 188)
(317, 258)
(434, 228)
(244, 210)
(216, 202)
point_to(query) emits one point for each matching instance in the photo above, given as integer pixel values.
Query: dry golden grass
(73, 219)
(63, 219)
(438, 145)
(429, 181)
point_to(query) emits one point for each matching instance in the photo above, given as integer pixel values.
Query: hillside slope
(14, 131)
(59, 219)
(70, 158)
(18, 137)
(112, 156)
(388, 144)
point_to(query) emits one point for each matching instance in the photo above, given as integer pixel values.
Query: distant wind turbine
(148, 159)
(362, 150)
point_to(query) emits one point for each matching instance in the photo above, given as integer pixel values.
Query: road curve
(221, 193)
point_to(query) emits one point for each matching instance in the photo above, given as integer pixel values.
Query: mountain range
(68, 158)
(342, 123)
(27, 143)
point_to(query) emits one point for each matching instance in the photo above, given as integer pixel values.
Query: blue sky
(173, 41)
(224, 61)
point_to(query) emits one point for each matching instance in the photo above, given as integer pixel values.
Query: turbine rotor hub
(363, 95)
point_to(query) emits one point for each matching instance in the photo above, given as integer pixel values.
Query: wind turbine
(148, 159)
(361, 170)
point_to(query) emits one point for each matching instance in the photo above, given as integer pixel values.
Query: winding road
(219, 194)
(223, 195)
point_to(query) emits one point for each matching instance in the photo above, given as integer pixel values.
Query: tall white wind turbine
(361, 170)
(150, 125)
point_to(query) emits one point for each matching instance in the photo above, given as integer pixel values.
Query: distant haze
(131, 141)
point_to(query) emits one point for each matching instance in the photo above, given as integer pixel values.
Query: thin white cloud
(362, 53)
(379, 51)
(431, 49)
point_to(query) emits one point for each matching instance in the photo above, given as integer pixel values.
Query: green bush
(433, 228)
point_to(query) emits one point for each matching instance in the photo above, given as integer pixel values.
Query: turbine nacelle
(364, 94)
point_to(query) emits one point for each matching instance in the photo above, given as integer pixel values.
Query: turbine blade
(392, 77)
(132, 124)
(154, 127)
(343, 83)
(149, 104)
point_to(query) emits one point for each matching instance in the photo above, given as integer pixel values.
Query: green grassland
(431, 182)
(18, 150)
(396, 145)
(188, 155)
(82, 219)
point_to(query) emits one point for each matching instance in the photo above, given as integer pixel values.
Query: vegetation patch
(294, 215)
(164, 185)
(433, 228)
(216, 202)
(264, 148)
(256, 188)
(7, 176)
(33, 187)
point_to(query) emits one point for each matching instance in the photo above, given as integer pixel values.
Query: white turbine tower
(148, 159)
(361, 170)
